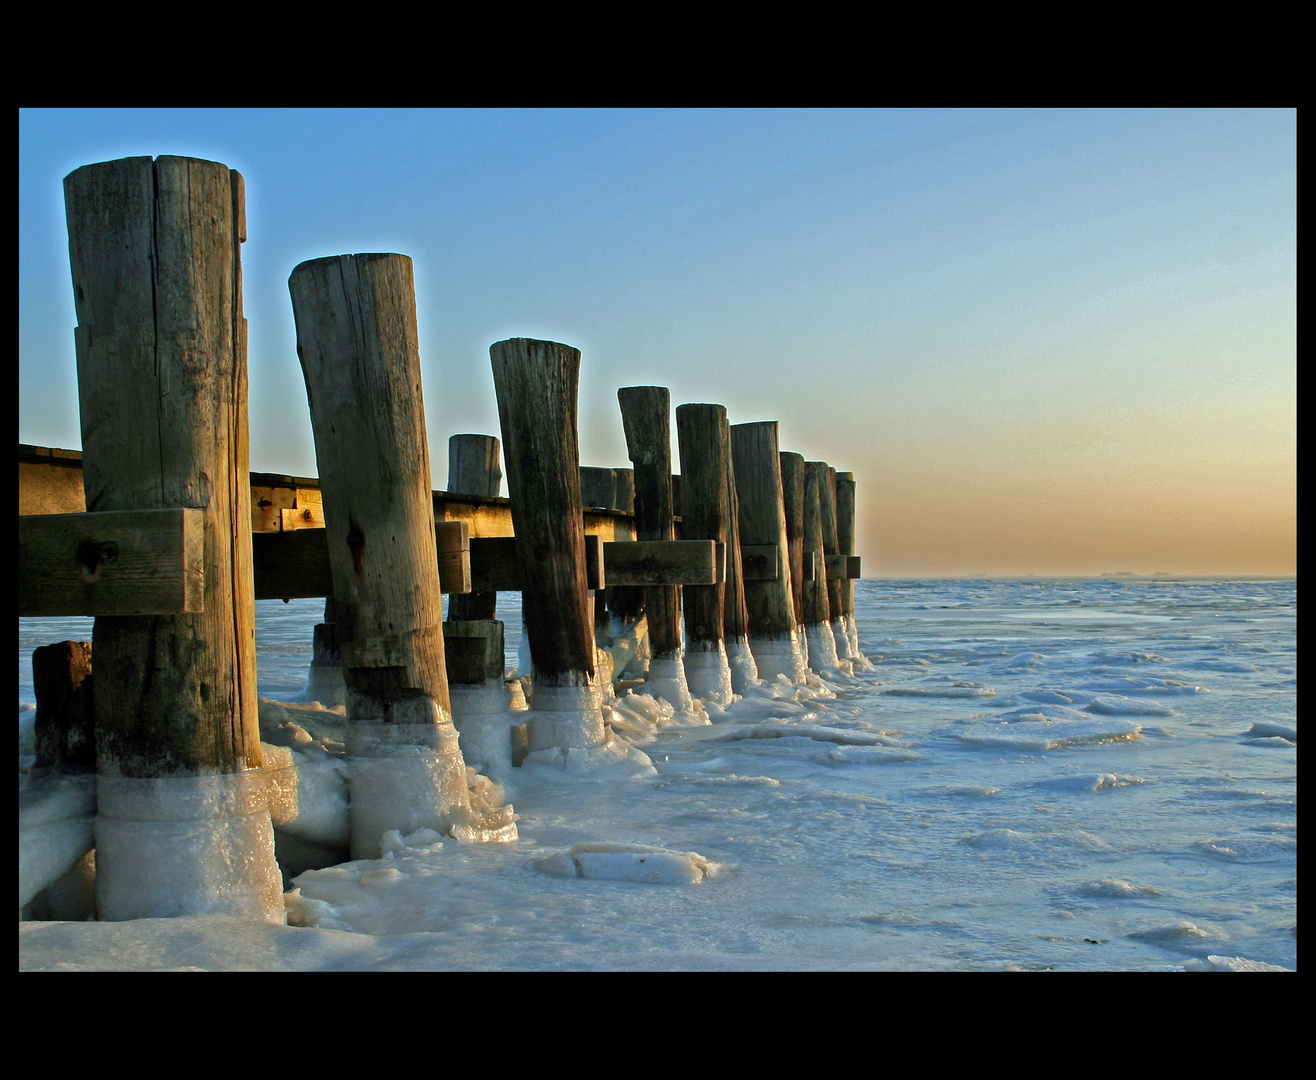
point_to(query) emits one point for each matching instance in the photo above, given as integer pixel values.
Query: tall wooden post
(735, 613)
(704, 443)
(762, 515)
(357, 342)
(645, 413)
(473, 637)
(831, 548)
(537, 383)
(817, 602)
(845, 522)
(183, 814)
(792, 497)
(474, 468)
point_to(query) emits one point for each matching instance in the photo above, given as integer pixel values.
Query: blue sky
(1045, 341)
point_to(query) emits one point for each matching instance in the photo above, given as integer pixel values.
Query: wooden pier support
(845, 523)
(626, 602)
(357, 343)
(792, 497)
(183, 815)
(473, 638)
(537, 384)
(819, 521)
(645, 413)
(704, 444)
(474, 468)
(773, 638)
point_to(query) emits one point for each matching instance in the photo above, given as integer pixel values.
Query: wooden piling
(817, 604)
(537, 384)
(625, 602)
(704, 444)
(831, 549)
(357, 343)
(773, 638)
(162, 381)
(598, 491)
(645, 412)
(66, 720)
(474, 468)
(792, 496)
(735, 613)
(845, 528)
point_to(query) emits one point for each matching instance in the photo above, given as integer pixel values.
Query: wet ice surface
(1034, 775)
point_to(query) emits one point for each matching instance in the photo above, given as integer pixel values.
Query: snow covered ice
(1020, 775)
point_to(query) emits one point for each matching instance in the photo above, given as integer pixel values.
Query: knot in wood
(92, 554)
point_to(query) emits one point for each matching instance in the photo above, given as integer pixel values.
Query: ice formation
(565, 718)
(744, 668)
(186, 845)
(779, 656)
(708, 675)
(480, 713)
(402, 776)
(667, 680)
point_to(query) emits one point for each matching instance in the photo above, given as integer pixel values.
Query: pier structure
(149, 736)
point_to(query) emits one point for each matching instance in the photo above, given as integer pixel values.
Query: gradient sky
(1044, 341)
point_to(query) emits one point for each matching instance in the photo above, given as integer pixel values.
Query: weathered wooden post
(817, 593)
(324, 680)
(704, 444)
(537, 384)
(735, 613)
(474, 468)
(833, 558)
(626, 602)
(357, 343)
(645, 412)
(848, 633)
(66, 719)
(762, 517)
(792, 497)
(598, 491)
(183, 821)
(473, 638)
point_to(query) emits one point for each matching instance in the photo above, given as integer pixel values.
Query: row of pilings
(180, 809)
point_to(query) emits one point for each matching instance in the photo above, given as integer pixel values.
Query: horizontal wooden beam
(294, 564)
(661, 562)
(842, 567)
(760, 562)
(122, 562)
(496, 568)
(473, 650)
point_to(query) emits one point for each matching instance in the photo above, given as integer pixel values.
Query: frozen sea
(1033, 775)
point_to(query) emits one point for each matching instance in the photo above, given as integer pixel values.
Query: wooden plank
(495, 566)
(760, 562)
(295, 564)
(661, 562)
(843, 567)
(120, 562)
(267, 506)
(473, 650)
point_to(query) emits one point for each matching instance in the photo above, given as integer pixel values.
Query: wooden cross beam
(125, 562)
